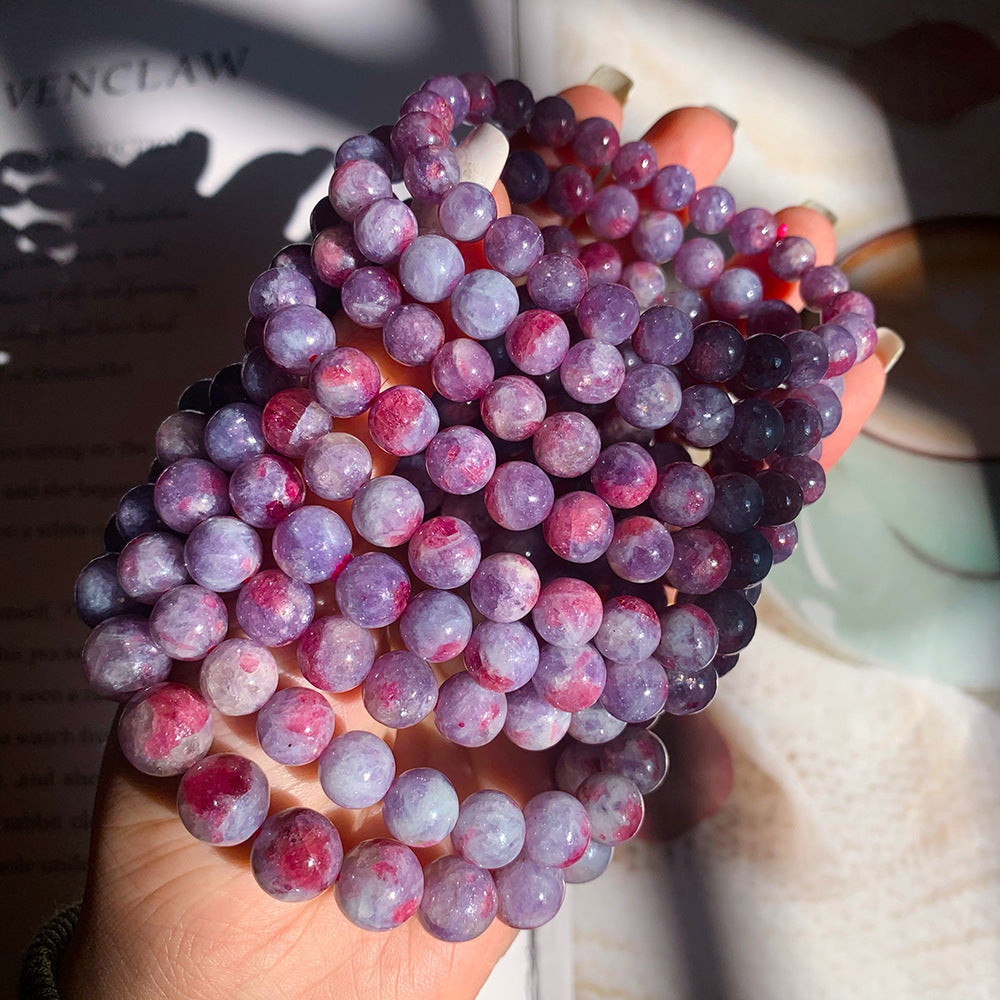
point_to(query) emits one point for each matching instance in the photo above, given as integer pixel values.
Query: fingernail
(889, 348)
(733, 122)
(481, 155)
(614, 81)
(818, 206)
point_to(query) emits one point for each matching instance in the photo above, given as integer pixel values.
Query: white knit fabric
(859, 854)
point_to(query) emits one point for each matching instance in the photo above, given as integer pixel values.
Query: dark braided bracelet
(41, 960)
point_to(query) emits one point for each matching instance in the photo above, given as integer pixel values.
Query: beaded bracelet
(545, 520)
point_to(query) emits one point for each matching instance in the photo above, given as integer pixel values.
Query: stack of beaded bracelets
(602, 434)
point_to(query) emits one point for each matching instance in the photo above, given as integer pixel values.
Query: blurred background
(155, 154)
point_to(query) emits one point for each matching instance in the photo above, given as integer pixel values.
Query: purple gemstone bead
(430, 268)
(430, 173)
(189, 491)
(356, 769)
(711, 209)
(505, 587)
(614, 806)
(436, 625)
(223, 799)
(701, 561)
(370, 295)
(413, 334)
(782, 538)
(402, 420)
(400, 689)
(647, 281)
(752, 231)
(334, 654)
(238, 676)
(150, 565)
(529, 894)
(222, 553)
(557, 829)
(630, 629)
(608, 313)
(136, 514)
(515, 104)
(501, 656)
(512, 408)
(467, 713)
(467, 211)
(579, 528)
(421, 807)
(537, 341)
(841, 347)
(657, 236)
(649, 397)
(312, 544)
(819, 285)
(459, 901)
(689, 638)
(181, 435)
(791, 257)
(165, 729)
(462, 370)
(387, 510)
(460, 460)
(355, 184)
(699, 263)
(594, 725)
(592, 863)
(635, 692)
(490, 829)
(575, 762)
(483, 304)
(634, 165)
(570, 677)
(234, 434)
(532, 723)
(380, 885)
(295, 725)
(277, 288)
(336, 466)
(98, 594)
(557, 282)
(292, 420)
(383, 230)
(672, 187)
(264, 490)
(427, 100)
(735, 293)
(120, 657)
(624, 475)
(444, 552)
(519, 496)
(690, 693)
(344, 381)
(663, 336)
(335, 255)
(274, 609)
(454, 91)
(639, 755)
(603, 264)
(187, 621)
(296, 855)
(372, 590)
(613, 212)
(568, 612)
(567, 444)
(296, 335)
(641, 549)
(512, 245)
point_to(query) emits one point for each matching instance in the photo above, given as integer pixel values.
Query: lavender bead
(274, 609)
(690, 693)
(402, 420)
(234, 434)
(529, 894)
(335, 255)
(483, 304)
(120, 658)
(701, 561)
(614, 805)
(568, 612)
(98, 594)
(630, 629)
(444, 552)
(181, 435)
(641, 549)
(604, 266)
(238, 676)
(264, 490)
(459, 901)
(150, 565)
(355, 184)
(262, 378)
(791, 257)
(532, 723)
(436, 625)
(592, 371)
(468, 714)
(841, 347)
(334, 654)
(512, 408)
(462, 370)
(165, 729)
(735, 293)
(711, 209)
(344, 381)
(279, 287)
(430, 268)
(296, 335)
(223, 799)
(672, 187)
(380, 885)
(594, 725)
(501, 656)
(753, 230)
(136, 514)
(412, 334)
(557, 829)
(613, 212)
(312, 544)
(490, 829)
(647, 281)
(372, 590)
(569, 677)
(467, 211)
(699, 263)
(189, 491)
(370, 295)
(820, 285)
(295, 726)
(557, 282)
(512, 245)
(650, 396)
(608, 313)
(336, 466)
(592, 863)
(421, 807)
(519, 496)
(387, 510)
(222, 553)
(657, 236)
(663, 336)
(400, 689)
(356, 769)
(296, 855)
(460, 460)
(384, 229)
(624, 475)
(567, 444)
(579, 528)
(505, 587)
(639, 755)
(537, 341)
(705, 416)
(187, 621)
(689, 638)
(635, 692)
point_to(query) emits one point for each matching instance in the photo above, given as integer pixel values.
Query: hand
(165, 915)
